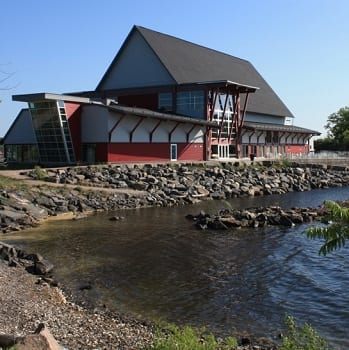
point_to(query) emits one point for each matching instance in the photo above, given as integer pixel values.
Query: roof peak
(141, 29)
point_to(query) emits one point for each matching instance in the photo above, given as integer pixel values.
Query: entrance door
(173, 151)
(89, 153)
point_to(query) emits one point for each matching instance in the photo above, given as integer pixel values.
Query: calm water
(155, 264)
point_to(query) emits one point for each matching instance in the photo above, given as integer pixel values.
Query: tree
(336, 233)
(338, 127)
(4, 78)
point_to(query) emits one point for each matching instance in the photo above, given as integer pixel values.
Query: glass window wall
(52, 132)
(191, 103)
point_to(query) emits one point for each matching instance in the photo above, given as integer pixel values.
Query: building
(162, 98)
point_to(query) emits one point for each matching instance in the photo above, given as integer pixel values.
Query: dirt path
(19, 175)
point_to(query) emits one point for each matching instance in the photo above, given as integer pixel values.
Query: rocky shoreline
(82, 190)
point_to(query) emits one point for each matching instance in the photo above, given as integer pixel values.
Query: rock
(42, 339)
(43, 267)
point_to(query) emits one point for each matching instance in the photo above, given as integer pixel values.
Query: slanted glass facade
(52, 132)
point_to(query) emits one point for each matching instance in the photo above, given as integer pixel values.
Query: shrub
(38, 173)
(188, 338)
(305, 338)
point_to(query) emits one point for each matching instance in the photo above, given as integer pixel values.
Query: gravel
(25, 302)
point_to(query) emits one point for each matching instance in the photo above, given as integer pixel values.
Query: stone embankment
(101, 188)
(81, 190)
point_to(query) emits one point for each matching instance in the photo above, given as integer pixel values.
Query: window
(191, 103)
(165, 102)
(52, 132)
(228, 129)
(173, 151)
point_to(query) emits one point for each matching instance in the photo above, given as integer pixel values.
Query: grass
(188, 338)
(7, 183)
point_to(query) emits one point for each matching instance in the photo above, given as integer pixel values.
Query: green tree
(338, 127)
(326, 144)
(336, 233)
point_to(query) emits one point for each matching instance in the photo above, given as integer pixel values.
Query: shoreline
(68, 333)
(27, 300)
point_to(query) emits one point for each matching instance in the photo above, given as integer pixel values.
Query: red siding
(297, 149)
(74, 119)
(191, 151)
(143, 152)
(101, 154)
(149, 101)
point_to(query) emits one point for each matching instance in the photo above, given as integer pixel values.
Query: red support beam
(213, 105)
(223, 115)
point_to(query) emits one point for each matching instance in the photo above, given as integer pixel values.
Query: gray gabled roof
(189, 63)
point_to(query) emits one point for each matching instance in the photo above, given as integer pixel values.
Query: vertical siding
(137, 65)
(101, 155)
(21, 130)
(191, 151)
(138, 152)
(143, 152)
(94, 124)
(74, 119)
(297, 149)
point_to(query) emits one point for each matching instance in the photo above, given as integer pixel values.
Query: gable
(149, 58)
(21, 130)
(191, 63)
(136, 65)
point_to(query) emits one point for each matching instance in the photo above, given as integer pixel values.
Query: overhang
(41, 96)
(147, 113)
(278, 127)
(224, 84)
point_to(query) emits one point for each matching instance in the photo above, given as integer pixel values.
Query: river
(155, 264)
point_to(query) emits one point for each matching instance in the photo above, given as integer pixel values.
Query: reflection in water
(155, 264)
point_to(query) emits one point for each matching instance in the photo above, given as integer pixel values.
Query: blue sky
(301, 48)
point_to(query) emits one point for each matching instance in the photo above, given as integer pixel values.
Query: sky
(300, 47)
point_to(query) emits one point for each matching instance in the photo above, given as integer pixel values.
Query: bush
(38, 173)
(305, 338)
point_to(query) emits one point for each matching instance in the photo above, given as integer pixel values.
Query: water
(156, 265)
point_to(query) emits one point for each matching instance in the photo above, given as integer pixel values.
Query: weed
(189, 338)
(302, 338)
